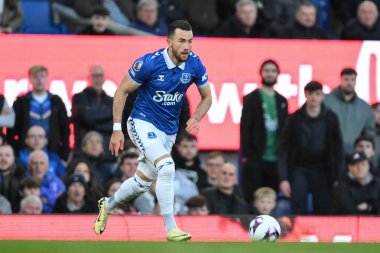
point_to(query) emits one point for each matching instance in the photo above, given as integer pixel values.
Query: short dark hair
(269, 61)
(185, 136)
(305, 3)
(29, 182)
(196, 202)
(313, 86)
(365, 138)
(375, 105)
(128, 155)
(178, 24)
(101, 11)
(37, 68)
(348, 71)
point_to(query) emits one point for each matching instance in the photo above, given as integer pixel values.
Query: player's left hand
(192, 126)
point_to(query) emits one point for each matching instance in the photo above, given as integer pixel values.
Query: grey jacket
(355, 116)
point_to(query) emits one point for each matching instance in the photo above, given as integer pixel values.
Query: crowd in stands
(321, 159)
(291, 19)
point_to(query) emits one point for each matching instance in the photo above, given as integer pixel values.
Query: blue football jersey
(163, 86)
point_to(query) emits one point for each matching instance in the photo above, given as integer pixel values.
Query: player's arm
(202, 109)
(117, 139)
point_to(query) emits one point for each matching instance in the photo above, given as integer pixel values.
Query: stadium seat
(37, 18)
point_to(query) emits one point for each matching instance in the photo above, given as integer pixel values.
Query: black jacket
(233, 28)
(9, 186)
(90, 31)
(60, 206)
(291, 144)
(90, 114)
(199, 175)
(85, 8)
(297, 31)
(59, 126)
(355, 31)
(252, 124)
(216, 201)
(349, 193)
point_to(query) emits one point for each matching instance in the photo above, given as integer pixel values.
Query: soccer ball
(264, 228)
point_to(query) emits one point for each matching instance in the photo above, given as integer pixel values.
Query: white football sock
(165, 190)
(129, 189)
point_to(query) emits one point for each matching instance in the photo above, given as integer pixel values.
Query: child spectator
(264, 201)
(197, 205)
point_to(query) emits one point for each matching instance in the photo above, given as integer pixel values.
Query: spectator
(30, 186)
(7, 114)
(83, 167)
(311, 155)
(92, 109)
(5, 206)
(147, 19)
(127, 166)
(10, 176)
(75, 200)
(355, 115)
(223, 198)
(31, 205)
(376, 109)
(40, 107)
(121, 11)
(243, 24)
(358, 192)
(280, 11)
(11, 16)
(36, 140)
(366, 26)
(203, 19)
(197, 205)
(51, 186)
(172, 10)
(263, 118)
(264, 201)
(98, 23)
(93, 151)
(214, 163)
(303, 27)
(348, 9)
(126, 208)
(185, 156)
(366, 145)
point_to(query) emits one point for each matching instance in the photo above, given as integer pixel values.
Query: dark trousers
(314, 181)
(257, 174)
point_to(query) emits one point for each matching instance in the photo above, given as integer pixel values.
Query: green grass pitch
(191, 247)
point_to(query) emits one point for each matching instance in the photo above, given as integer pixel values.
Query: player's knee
(141, 183)
(166, 168)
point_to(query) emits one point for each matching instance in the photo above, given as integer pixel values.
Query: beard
(269, 83)
(178, 57)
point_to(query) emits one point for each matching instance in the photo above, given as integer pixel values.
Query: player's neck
(268, 90)
(173, 58)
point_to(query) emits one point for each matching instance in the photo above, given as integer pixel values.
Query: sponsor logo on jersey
(185, 78)
(167, 98)
(137, 66)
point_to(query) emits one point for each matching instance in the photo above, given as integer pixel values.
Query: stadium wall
(203, 228)
(232, 66)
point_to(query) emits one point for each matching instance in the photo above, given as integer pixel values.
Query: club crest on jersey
(185, 78)
(152, 135)
(137, 66)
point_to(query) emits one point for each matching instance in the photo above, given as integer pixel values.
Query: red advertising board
(232, 66)
(203, 228)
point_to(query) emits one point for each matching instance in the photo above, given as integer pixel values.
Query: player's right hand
(116, 142)
(285, 188)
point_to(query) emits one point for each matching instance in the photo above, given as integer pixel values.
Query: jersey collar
(169, 62)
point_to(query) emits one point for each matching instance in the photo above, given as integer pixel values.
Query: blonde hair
(264, 192)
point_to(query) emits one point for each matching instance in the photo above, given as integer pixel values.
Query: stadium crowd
(292, 19)
(321, 159)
